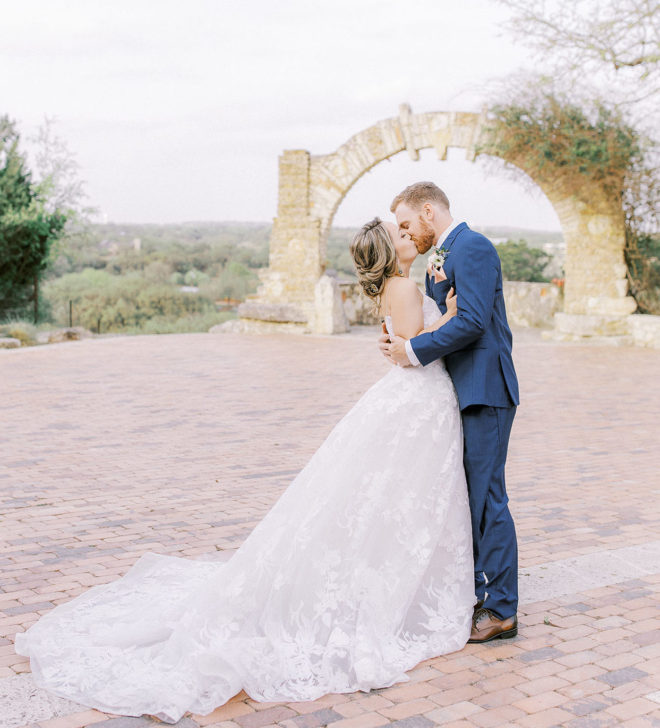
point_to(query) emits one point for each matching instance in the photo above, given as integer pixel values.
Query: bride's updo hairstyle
(374, 257)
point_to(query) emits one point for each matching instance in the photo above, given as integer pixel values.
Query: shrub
(105, 302)
(522, 263)
(194, 323)
(25, 331)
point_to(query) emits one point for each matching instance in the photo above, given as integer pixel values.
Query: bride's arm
(405, 304)
(452, 308)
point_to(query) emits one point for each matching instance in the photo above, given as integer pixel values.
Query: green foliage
(568, 146)
(127, 277)
(205, 247)
(234, 282)
(643, 260)
(522, 263)
(338, 251)
(119, 303)
(587, 151)
(192, 323)
(27, 229)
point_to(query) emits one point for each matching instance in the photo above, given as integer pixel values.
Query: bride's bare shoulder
(402, 288)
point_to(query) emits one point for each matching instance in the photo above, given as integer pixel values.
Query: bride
(362, 569)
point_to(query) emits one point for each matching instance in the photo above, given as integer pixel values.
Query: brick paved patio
(180, 444)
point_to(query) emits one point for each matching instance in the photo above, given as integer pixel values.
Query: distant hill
(249, 240)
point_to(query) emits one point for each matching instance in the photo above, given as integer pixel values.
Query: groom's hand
(396, 352)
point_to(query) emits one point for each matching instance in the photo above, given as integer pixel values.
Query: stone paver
(180, 444)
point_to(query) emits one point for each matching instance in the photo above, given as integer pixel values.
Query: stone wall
(357, 307)
(532, 304)
(527, 304)
(645, 330)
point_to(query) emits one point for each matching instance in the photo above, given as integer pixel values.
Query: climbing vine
(578, 149)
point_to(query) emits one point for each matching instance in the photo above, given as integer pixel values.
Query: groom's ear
(428, 211)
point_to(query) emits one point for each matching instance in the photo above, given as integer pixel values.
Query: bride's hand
(452, 303)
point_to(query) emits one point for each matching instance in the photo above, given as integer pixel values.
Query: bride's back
(402, 302)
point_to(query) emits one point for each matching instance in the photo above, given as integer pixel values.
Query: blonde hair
(419, 193)
(374, 257)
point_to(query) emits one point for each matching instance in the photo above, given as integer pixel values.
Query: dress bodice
(430, 311)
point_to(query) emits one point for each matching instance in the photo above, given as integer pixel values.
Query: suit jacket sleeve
(476, 272)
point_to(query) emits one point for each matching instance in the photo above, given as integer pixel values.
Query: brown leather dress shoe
(486, 627)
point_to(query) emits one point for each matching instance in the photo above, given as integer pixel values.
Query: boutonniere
(438, 257)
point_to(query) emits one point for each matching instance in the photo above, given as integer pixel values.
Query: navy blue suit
(476, 347)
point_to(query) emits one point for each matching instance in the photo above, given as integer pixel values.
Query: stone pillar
(329, 316)
(595, 289)
(286, 293)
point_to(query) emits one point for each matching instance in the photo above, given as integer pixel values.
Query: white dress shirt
(412, 358)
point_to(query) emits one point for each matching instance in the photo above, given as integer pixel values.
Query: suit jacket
(476, 343)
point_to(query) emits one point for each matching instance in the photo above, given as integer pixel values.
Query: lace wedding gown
(362, 569)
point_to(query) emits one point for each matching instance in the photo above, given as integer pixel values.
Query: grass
(194, 323)
(24, 331)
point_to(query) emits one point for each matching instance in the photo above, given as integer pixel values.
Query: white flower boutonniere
(438, 258)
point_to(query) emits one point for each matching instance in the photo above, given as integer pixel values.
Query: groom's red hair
(416, 195)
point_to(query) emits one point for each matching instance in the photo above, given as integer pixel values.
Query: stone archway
(293, 294)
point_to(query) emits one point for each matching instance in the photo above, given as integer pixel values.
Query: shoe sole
(501, 636)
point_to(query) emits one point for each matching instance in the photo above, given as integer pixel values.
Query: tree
(27, 229)
(522, 263)
(57, 172)
(58, 183)
(617, 39)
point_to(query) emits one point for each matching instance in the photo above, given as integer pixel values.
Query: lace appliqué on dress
(361, 569)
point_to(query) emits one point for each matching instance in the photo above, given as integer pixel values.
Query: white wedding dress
(362, 569)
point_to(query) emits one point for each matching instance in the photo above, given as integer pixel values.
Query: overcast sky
(178, 111)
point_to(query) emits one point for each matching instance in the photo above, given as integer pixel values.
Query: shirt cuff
(411, 354)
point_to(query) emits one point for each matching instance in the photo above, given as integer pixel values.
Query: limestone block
(294, 183)
(602, 306)
(357, 307)
(252, 326)
(265, 311)
(531, 304)
(295, 254)
(409, 131)
(582, 325)
(272, 286)
(645, 330)
(329, 316)
(9, 342)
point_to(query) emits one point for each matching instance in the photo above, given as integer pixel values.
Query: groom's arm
(476, 272)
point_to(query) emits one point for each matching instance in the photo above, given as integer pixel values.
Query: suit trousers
(486, 433)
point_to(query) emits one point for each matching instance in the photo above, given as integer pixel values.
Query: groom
(476, 346)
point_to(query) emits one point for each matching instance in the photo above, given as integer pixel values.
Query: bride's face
(405, 248)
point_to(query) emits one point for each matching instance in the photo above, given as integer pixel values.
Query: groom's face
(414, 223)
